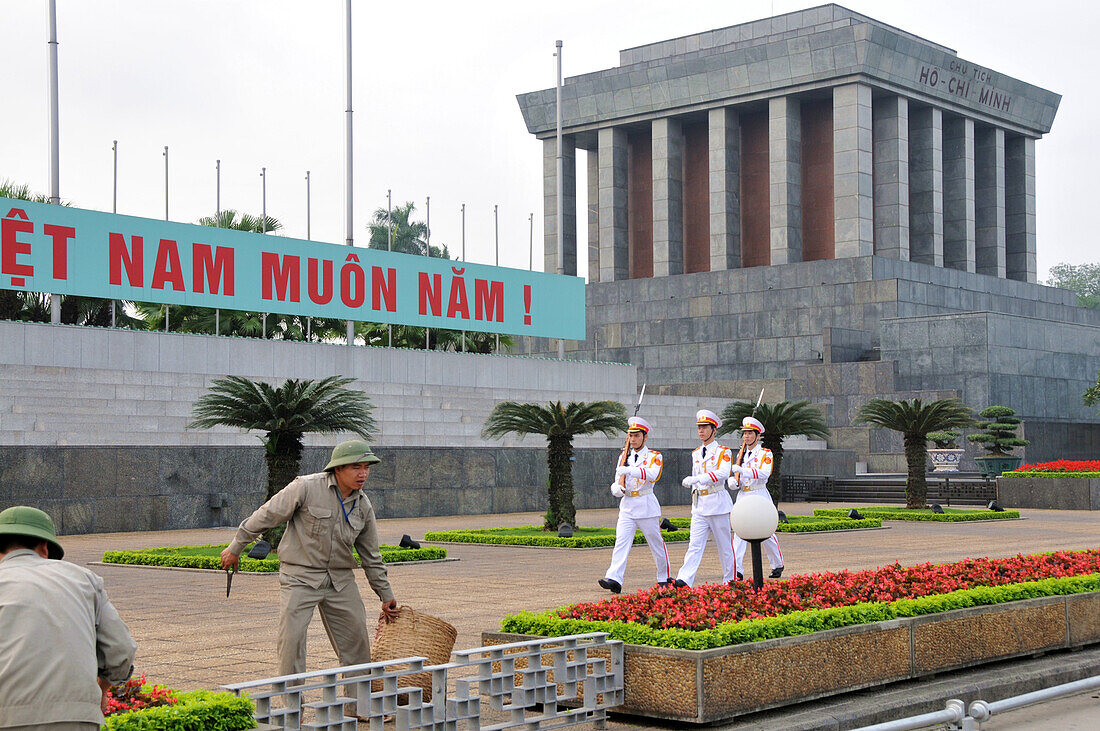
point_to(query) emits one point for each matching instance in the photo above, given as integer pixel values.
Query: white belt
(704, 492)
(639, 493)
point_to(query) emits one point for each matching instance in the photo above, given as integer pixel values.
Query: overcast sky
(260, 83)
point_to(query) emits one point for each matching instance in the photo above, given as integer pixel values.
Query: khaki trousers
(342, 613)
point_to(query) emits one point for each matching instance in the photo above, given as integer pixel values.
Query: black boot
(679, 583)
(776, 573)
(611, 585)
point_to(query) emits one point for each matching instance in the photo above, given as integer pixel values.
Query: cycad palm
(915, 420)
(284, 413)
(782, 419)
(559, 424)
(231, 219)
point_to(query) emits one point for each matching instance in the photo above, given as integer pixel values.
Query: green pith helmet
(350, 452)
(23, 520)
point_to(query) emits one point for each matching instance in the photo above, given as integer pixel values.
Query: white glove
(736, 470)
(628, 471)
(617, 489)
(732, 482)
(688, 481)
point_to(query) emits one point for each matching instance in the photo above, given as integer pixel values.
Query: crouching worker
(327, 516)
(62, 644)
(638, 508)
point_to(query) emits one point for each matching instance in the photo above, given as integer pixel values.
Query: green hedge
(547, 541)
(197, 710)
(807, 524)
(949, 516)
(172, 556)
(547, 624)
(1051, 474)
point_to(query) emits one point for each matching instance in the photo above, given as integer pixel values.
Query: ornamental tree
(998, 435)
(559, 424)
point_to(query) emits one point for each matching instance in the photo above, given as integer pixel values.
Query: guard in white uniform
(710, 502)
(751, 476)
(638, 509)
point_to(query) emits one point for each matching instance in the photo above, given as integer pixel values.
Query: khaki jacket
(58, 632)
(319, 538)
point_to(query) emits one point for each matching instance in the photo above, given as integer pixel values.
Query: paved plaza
(190, 636)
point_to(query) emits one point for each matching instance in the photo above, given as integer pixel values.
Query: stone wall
(108, 489)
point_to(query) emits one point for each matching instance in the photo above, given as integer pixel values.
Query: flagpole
(349, 221)
(55, 145)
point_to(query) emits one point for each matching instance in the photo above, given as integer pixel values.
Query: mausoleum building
(825, 202)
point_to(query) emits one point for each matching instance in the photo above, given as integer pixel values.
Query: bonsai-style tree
(998, 436)
(1091, 397)
(285, 414)
(945, 439)
(915, 420)
(782, 419)
(559, 424)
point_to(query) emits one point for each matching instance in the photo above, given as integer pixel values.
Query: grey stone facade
(110, 489)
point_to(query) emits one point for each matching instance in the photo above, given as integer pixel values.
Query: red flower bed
(707, 606)
(1064, 465)
(131, 696)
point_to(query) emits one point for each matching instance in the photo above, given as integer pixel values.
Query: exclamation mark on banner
(527, 304)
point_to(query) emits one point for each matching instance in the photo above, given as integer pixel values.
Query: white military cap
(706, 416)
(750, 423)
(637, 423)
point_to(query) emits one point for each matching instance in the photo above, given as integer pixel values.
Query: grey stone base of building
(147, 488)
(1057, 493)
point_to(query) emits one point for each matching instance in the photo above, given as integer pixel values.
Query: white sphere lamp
(754, 520)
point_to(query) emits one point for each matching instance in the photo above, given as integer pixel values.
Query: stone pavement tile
(190, 635)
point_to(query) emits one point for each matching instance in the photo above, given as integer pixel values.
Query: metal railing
(959, 717)
(546, 683)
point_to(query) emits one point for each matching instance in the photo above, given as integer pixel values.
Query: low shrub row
(194, 709)
(808, 524)
(549, 540)
(207, 557)
(1020, 473)
(550, 624)
(949, 515)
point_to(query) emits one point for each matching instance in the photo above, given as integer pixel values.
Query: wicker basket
(413, 634)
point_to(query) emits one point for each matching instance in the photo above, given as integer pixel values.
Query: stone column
(1020, 209)
(550, 205)
(725, 189)
(593, 215)
(891, 161)
(614, 251)
(785, 178)
(989, 201)
(926, 186)
(958, 194)
(853, 175)
(668, 197)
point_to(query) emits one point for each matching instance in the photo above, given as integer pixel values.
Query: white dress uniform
(639, 510)
(756, 469)
(710, 511)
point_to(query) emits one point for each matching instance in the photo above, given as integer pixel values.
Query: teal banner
(64, 250)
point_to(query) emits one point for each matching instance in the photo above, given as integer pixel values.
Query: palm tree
(231, 219)
(285, 414)
(408, 236)
(782, 419)
(559, 424)
(915, 420)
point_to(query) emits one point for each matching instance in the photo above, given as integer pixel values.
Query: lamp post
(560, 191)
(754, 520)
(427, 253)
(348, 190)
(55, 145)
(218, 222)
(463, 261)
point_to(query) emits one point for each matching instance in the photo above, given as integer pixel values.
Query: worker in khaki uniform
(638, 508)
(710, 502)
(327, 516)
(62, 644)
(751, 479)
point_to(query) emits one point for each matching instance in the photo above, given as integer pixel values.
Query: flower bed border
(900, 514)
(147, 557)
(682, 534)
(194, 709)
(925, 636)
